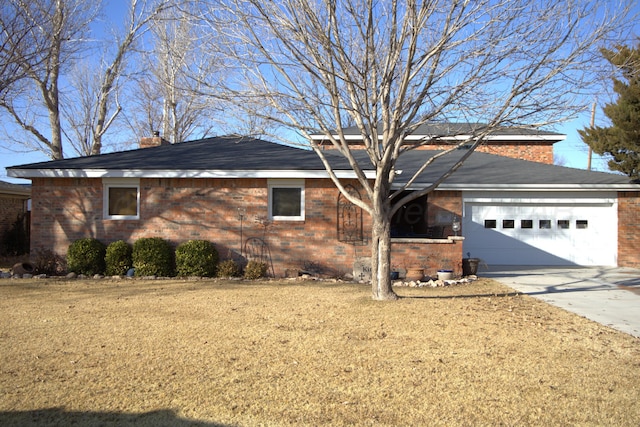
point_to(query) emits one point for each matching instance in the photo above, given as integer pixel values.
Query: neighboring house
(250, 196)
(13, 207)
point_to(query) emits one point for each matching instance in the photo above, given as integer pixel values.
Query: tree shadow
(488, 295)
(60, 417)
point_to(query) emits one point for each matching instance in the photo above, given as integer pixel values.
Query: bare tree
(97, 105)
(167, 99)
(64, 92)
(391, 66)
(16, 45)
(58, 28)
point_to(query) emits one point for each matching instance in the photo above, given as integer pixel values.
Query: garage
(543, 228)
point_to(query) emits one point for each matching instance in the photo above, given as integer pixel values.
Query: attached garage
(541, 228)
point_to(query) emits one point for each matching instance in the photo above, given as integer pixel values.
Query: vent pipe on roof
(154, 141)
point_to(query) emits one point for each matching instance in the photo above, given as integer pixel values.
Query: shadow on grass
(60, 417)
(489, 295)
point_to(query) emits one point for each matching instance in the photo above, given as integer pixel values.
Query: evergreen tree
(621, 140)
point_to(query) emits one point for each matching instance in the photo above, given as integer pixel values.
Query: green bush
(153, 256)
(86, 256)
(228, 268)
(255, 270)
(118, 258)
(196, 258)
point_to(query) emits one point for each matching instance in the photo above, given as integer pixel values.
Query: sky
(571, 152)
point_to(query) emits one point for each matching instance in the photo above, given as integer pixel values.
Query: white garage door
(541, 229)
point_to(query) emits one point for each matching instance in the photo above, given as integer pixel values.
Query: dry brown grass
(232, 353)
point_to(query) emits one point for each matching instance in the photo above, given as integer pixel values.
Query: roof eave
(150, 173)
(529, 187)
(462, 137)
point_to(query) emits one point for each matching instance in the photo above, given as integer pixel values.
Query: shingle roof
(482, 169)
(15, 189)
(224, 155)
(218, 153)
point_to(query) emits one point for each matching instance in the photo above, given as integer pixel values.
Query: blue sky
(571, 152)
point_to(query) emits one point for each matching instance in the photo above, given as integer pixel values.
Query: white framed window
(286, 199)
(121, 198)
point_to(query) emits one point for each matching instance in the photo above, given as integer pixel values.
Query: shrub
(196, 258)
(49, 263)
(118, 258)
(255, 270)
(152, 256)
(86, 256)
(228, 268)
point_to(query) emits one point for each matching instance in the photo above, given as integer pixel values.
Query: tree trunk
(381, 253)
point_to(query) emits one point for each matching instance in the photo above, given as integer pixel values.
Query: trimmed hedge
(196, 258)
(118, 258)
(153, 256)
(86, 256)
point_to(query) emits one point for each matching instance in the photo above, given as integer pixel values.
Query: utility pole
(592, 124)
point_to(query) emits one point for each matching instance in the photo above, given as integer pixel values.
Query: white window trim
(108, 183)
(286, 183)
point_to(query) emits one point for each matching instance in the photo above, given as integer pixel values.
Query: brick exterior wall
(541, 152)
(629, 229)
(67, 209)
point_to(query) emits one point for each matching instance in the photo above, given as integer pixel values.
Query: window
(490, 223)
(411, 220)
(545, 224)
(286, 200)
(121, 198)
(526, 223)
(563, 223)
(582, 224)
(508, 223)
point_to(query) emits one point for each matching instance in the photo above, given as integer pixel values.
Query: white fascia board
(526, 187)
(138, 173)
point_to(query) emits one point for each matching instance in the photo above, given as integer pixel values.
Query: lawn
(217, 353)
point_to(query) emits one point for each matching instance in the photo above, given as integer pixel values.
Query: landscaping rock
(22, 268)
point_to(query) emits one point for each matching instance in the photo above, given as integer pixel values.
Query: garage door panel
(590, 239)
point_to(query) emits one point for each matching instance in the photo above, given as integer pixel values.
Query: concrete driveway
(608, 295)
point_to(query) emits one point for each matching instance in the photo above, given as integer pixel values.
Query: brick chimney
(154, 141)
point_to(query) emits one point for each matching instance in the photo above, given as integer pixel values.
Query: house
(248, 196)
(14, 199)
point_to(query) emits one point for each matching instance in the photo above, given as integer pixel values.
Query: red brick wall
(629, 229)
(534, 152)
(541, 152)
(178, 210)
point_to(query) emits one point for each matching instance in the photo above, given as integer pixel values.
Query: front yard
(173, 352)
